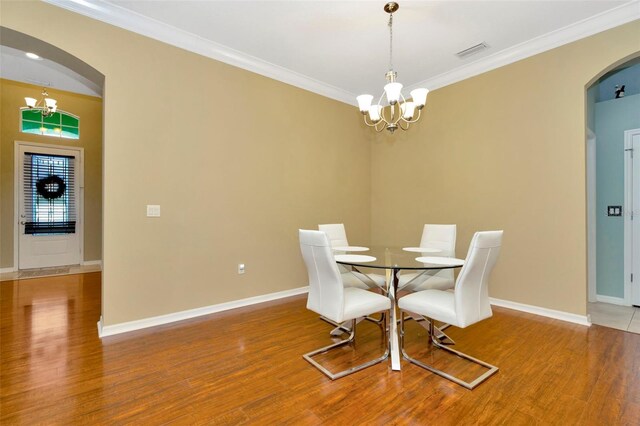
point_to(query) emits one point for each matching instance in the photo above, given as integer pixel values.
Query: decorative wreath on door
(51, 187)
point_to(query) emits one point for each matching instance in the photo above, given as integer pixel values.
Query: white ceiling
(340, 49)
(45, 73)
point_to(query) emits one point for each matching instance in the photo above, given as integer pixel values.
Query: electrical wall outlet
(241, 268)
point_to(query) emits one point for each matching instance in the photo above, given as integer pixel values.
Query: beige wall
(238, 162)
(89, 109)
(504, 150)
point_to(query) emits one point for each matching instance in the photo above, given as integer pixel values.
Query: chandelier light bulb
(31, 102)
(50, 102)
(408, 109)
(364, 103)
(393, 92)
(375, 113)
(419, 97)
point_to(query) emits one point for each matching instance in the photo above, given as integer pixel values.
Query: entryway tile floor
(615, 316)
(25, 274)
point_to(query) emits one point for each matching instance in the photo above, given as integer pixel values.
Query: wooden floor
(245, 367)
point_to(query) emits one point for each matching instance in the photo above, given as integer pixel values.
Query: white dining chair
(337, 235)
(330, 298)
(336, 232)
(466, 305)
(438, 237)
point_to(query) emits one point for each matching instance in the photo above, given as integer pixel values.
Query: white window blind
(49, 194)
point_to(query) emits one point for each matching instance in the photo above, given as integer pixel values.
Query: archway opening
(78, 88)
(612, 103)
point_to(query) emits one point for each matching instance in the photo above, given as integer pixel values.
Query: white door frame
(628, 210)
(16, 194)
(591, 217)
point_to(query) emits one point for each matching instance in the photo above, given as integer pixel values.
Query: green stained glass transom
(69, 120)
(61, 124)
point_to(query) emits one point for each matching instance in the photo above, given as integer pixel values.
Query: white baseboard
(92, 262)
(545, 312)
(612, 300)
(7, 270)
(110, 330)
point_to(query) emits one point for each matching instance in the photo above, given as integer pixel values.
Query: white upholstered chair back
(337, 234)
(472, 287)
(326, 289)
(441, 237)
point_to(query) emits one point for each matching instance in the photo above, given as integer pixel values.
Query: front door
(48, 196)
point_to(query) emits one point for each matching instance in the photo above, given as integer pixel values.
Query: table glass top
(395, 257)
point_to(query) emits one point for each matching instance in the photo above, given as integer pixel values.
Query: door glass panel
(49, 194)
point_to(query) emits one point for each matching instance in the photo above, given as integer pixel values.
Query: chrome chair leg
(340, 328)
(434, 341)
(333, 376)
(440, 335)
(377, 321)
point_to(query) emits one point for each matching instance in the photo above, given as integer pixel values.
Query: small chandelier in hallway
(46, 105)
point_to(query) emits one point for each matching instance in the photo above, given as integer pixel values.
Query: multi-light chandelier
(46, 105)
(396, 112)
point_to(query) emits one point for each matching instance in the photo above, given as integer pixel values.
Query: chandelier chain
(391, 42)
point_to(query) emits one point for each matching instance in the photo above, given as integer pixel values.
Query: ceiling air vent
(472, 50)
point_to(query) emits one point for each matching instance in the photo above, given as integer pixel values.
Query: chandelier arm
(381, 127)
(399, 110)
(382, 117)
(390, 120)
(404, 128)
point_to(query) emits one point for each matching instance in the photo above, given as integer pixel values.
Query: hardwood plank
(245, 367)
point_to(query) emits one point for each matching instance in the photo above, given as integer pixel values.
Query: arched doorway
(612, 105)
(78, 87)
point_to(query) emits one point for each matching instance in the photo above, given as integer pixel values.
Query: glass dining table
(419, 260)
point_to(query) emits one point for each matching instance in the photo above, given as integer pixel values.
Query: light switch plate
(614, 210)
(153, 210)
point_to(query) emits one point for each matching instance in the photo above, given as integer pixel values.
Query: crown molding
(604, 21)
(132, 21)
(135, 22)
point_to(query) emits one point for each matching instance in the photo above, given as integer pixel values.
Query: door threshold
(25, 274)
